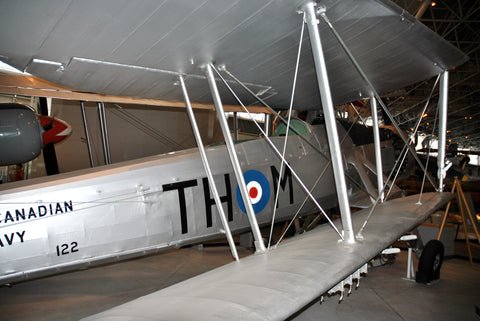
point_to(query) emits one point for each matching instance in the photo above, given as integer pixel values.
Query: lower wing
(276, 284)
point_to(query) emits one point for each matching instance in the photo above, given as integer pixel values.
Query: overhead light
(434, 4)
(466, 136)
(449, 131)
(449, 140)
(424, 115)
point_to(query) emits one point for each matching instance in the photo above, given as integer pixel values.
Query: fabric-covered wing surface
(275, 285)
(137, 49)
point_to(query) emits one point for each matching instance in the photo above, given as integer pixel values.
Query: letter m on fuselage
(287, 177)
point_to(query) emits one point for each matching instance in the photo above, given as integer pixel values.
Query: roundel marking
(258, 189)
(255, 191)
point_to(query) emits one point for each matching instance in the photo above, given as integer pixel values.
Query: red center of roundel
(253, 192)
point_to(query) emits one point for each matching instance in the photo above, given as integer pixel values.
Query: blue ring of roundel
(254, 175)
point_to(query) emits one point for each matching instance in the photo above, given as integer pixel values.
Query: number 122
(65, 249)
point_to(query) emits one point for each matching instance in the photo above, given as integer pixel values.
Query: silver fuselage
(73, 220)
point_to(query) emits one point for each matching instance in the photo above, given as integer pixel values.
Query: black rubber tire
(430, 262)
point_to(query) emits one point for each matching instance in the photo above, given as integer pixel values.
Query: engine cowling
(20, 134)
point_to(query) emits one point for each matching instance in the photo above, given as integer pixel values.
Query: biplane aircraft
(283, 54)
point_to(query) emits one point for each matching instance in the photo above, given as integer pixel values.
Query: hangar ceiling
(458, 21)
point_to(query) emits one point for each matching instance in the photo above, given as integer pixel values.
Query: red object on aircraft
(55, 130)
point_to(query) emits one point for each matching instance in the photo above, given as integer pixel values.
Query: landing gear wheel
(430, 262)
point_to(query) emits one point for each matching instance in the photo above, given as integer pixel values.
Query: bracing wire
(287, 130)
(277, 152)
(428, 157)
(313, 188)
(402, 155)
(417, 125)
(224, 69)
(146, 128)
(262, 101)
(372, 88)
(358, 114)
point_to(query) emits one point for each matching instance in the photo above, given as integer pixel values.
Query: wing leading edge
(274, 285)
(33, 86)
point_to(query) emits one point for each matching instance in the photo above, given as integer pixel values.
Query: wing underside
(131, 49)
(274, 285)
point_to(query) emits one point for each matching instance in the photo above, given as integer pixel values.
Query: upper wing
(138, 49)
(276, 284)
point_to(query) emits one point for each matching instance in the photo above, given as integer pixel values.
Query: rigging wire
(276, 114)
(417, 125)
(428, 157)
(404, 153)
(358, 114)
(317, 149)
(277, 152)
(124, 198)
(372, 88)
(282, 168)
(312, 189)
(146, 128)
